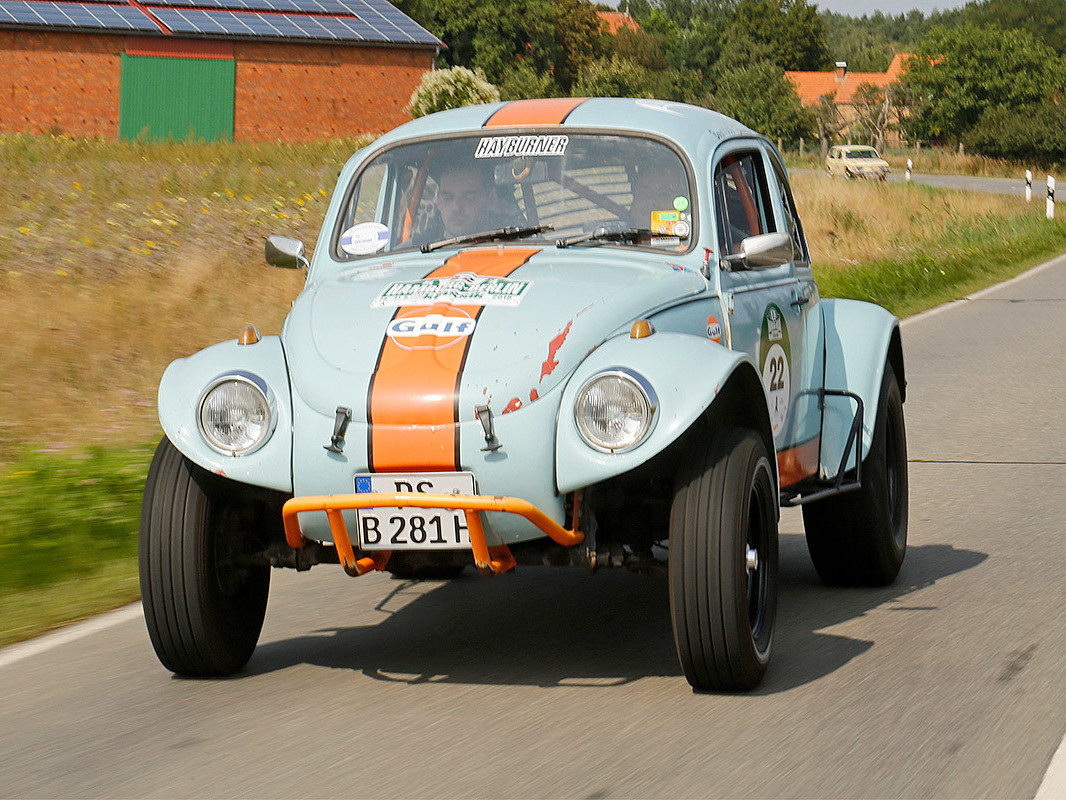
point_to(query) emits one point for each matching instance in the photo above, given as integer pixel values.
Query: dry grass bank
(854, 222)
(117, 258)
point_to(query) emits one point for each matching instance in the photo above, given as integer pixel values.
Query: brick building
(216, 69)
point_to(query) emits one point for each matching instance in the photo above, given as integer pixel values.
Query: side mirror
(286, 252)
(764, 250)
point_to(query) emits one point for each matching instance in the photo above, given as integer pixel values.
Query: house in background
(841, 86)
(293, 70)
(614, 21)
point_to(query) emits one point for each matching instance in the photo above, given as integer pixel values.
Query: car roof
(684, 124)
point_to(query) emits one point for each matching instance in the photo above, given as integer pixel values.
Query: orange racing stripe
(413, 401)
(535, 112)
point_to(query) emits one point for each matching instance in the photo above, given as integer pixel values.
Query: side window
(742, 199)
(792, 220)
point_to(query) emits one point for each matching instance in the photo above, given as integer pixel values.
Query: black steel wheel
(860, 538)
(723, 562)
(204, 602)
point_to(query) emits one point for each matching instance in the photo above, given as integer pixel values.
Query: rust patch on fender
(553, 347)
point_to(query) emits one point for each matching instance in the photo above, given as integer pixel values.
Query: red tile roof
(613, 20)
(812, 85)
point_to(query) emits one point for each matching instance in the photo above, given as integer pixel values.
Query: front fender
(858, 336)
(180, 390)
(686, 372)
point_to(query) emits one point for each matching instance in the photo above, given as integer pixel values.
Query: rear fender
(180, 391)
(688, 374)
(859, 339)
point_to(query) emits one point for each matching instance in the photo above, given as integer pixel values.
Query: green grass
(68, 536)
(976, 255)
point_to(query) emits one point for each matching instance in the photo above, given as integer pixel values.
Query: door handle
(800, 301)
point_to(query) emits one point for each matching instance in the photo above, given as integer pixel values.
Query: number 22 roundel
(774, 355)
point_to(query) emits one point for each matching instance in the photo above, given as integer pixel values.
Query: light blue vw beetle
(563, 332)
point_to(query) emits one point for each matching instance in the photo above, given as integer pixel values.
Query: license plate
(391, 528)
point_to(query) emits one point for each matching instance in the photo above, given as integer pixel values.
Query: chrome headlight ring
(236, 414)
(615, 410)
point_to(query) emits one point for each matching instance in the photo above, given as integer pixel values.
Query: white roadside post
(910, 164)
(1028, 186)
(1050, 197)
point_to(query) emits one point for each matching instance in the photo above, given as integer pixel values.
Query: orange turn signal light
(249, 335)
(641, 329)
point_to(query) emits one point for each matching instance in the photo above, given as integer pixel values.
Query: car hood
(866, 162)
(497, 326)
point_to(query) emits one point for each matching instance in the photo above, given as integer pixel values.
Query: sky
(857, 8)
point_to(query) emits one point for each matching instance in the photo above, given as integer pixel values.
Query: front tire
(860, 538)
(723, 562)
(204, 602)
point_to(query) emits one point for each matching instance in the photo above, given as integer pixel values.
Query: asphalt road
(1013, 186)
(555, 683)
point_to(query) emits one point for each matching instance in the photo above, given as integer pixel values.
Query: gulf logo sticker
(714, 329)
(417, 330)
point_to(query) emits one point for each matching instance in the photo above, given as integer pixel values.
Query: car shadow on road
(562, 627)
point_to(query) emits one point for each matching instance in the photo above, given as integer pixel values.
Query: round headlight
(235, 416)
(615, 410)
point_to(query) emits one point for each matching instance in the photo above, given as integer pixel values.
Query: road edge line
(1029, 273)
(1054, 784)
(23, 650)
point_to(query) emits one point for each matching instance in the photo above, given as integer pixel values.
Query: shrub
(618, 77)
(1034, 134)
(442, 89)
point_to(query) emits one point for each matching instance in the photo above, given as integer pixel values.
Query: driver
(465, 195)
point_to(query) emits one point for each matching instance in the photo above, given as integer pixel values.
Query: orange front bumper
(496, 559)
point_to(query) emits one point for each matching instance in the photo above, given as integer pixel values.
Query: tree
(760, 96)
(959, 73)
(1044, 19)
(791, 31)
(873, 107)
(555, 37)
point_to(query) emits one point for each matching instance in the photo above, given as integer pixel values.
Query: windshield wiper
(602, 234)
(488, 236)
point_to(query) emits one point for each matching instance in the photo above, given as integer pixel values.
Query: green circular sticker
(680, 203)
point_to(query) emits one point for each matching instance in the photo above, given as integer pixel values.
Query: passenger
(656, 187)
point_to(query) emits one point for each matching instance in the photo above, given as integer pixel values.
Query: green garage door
(176, 98)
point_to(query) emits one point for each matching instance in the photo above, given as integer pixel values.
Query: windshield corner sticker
(518, 146)
(681, 203)
(364, 238)
(417, 330)
(775, 357)
(462, 289)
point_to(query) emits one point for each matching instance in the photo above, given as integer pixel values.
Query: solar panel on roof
(196, 20)
(310, 6)
(380, 21)
(75, 15)
(344, 20)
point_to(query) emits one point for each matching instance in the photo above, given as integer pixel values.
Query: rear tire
(204, 603)
(723, 562)
(860, 538)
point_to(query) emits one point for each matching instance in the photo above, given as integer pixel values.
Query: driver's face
(462, 200)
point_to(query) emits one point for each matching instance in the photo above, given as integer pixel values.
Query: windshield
(862, 152)
(552, 186)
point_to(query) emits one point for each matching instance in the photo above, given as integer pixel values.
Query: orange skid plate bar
(495, 559)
